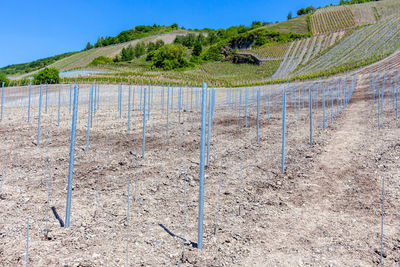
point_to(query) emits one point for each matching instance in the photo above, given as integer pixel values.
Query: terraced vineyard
(364, 46)
(270, 51)
(233, 74)
(332, 19)
(386, 8)
(302, 51)
(363, 14)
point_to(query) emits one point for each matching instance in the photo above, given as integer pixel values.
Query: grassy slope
(295, 25)
(82, 59)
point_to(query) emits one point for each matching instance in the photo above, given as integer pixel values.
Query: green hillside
(347, 36)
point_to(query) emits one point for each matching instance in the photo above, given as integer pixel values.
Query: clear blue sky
(36, 29)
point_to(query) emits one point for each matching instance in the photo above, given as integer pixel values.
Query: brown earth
(324, 210)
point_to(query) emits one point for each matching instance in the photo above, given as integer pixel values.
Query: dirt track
(323, 211)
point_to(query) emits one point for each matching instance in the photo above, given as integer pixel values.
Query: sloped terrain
(365, 45)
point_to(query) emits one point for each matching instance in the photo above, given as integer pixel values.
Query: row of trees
(304, 11)
(138, 50)
(137, 32)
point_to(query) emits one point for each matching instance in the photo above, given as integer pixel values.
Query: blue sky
(36, 29)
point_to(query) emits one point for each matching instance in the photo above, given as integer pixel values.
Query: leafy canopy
(3, 79)
(47, 75)
(170, 56)
(101, 60)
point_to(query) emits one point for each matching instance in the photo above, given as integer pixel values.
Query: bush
(3, 79)
(49, 75)
(170, 56)
(213, 53)
(154, 46)
(197, 49)
(101, 60)
(139, 50)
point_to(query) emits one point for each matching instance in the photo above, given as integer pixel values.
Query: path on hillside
(333, 216)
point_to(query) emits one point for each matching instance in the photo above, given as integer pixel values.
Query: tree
(200, 38)
(255, 24)
(301, 12)
(170, 56)
(127, 54)
(310, 9)
(197, 48)
(139, 50)
(289, 16)
(3, 79)
(88, 46)
(49, 75)
(101, 60)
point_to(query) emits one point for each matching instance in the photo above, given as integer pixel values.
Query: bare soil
(324, 210)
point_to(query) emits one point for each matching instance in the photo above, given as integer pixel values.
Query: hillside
(348, 37)
(82, 59)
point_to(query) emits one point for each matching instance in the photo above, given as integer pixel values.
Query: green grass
(274, 50)
(295, 25)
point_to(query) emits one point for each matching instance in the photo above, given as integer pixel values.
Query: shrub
(197, 49)
(139, 50)
(101, 60)
(3, 79)
(49, 75)
(170, 56)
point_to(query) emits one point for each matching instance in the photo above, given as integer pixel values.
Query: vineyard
(364, 46)
(302, 51)
(139, 148)
(293, 162)
(332, 19)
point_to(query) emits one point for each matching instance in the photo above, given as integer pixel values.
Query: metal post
(70, 97)
(129, 109)
(323, 106)
(47, 87)
(310, 104)
(144, 122)
(258, 113)
(29, 103)
(89, 117)
(71, 157)
(2, 100)
(167, 111)
(210, 97)
(245, 107)
(40, 114)
(59, 103)
(283, 129)
(202, 152)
